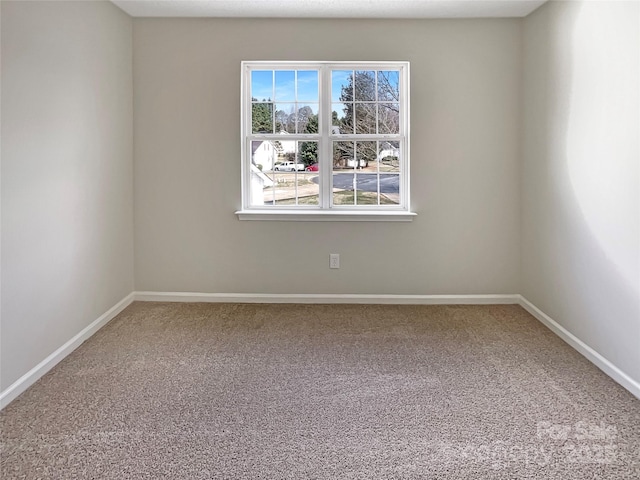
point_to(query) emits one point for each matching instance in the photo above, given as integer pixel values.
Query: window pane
(366, 153)
(389, 85)
(345, 163)
(308, 118)
(308, 155)
(365, 87)
(389, 156)
(292, 183)
(388, 118)
(362, 173)
(341, 86)
(284, 189)
(308, 181)
(366, 188)
(389, 189)
(285, 117)
(262, 85)
(286, 148)
(343, 155)
(263, 156)
(358, 188)
(365, 116)
(341, 116)
(262, 117)
(285, 85)
(343, 188)
(299, 189)
(308, 86)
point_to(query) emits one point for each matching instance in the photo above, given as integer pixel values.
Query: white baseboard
(327, 298)
(52, 360)
(594, 357)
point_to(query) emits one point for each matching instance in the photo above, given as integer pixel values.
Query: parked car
(289, 167)
(312, 168)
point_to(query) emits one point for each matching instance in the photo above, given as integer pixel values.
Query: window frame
(325, 210)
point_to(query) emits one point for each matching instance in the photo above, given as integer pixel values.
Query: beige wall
(465, 88)
(67, 174)
(581, 175)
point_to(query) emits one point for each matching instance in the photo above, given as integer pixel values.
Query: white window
(325, 141)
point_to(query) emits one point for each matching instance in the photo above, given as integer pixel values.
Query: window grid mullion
(375, 95)
(356, 161)
(326, 151)
(378, 169)
(273, 103)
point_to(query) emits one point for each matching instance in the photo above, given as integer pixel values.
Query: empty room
(290, 239)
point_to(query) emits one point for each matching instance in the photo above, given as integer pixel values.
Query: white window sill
(326, 216)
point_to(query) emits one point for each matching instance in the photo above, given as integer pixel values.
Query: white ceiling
(330, 8)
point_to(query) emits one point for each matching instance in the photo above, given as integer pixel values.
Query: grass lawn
(341, 198)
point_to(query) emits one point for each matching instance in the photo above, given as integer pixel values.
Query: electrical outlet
(334, 260)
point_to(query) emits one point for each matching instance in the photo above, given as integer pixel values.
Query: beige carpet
(195, 391)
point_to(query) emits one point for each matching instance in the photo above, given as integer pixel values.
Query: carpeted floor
(195, 391)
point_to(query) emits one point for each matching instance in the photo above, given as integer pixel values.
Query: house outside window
(325, 141)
